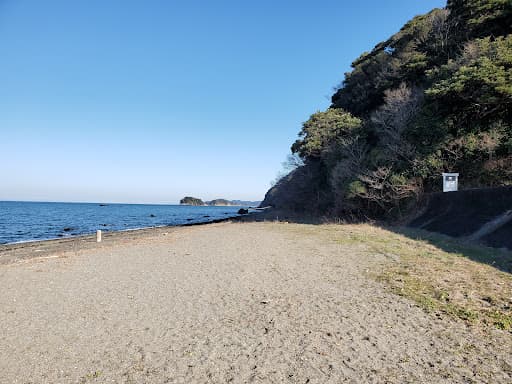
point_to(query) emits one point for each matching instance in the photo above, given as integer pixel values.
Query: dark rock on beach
(243, 211)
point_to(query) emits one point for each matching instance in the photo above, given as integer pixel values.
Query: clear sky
(149, 101)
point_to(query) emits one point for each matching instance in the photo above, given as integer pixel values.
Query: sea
(32, 221)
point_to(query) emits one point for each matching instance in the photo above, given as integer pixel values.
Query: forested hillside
(435, 97)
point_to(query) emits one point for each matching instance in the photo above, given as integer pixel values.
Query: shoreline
(26, 222)
(12, 253)
(105, 231)
(26, 250)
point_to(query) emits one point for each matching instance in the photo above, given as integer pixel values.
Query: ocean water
(28, 221)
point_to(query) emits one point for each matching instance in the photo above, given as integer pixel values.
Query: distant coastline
(189, 200)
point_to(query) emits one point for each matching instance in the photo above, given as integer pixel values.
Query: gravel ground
(228, 303)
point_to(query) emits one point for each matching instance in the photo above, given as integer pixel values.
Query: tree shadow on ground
(273, 215)
(499, 258)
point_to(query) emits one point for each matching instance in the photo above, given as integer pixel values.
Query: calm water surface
(27, 221)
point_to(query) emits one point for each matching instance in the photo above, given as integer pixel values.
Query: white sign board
(450, 182)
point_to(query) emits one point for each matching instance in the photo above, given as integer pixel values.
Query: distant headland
(189, 200)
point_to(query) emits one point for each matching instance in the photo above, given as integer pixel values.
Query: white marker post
(98, 236)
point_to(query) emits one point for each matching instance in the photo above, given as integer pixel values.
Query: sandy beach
(226, 303)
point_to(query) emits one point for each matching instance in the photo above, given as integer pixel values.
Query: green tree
(322, 130)
(478, 18)
(479, 84)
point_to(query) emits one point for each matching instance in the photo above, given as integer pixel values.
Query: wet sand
(224, 303)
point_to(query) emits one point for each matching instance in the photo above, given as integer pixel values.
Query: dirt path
(239, 303)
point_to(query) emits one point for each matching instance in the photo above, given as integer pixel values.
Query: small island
(188, 200)
(219, 202)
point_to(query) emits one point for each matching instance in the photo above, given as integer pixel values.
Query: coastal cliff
(434, 97)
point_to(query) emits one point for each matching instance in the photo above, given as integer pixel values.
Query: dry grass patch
(441, 274)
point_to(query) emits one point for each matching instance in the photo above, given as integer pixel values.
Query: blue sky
(148, 101)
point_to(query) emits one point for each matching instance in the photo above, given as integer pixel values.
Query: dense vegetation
(435, 97)
(188, 200)
(218, 202)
